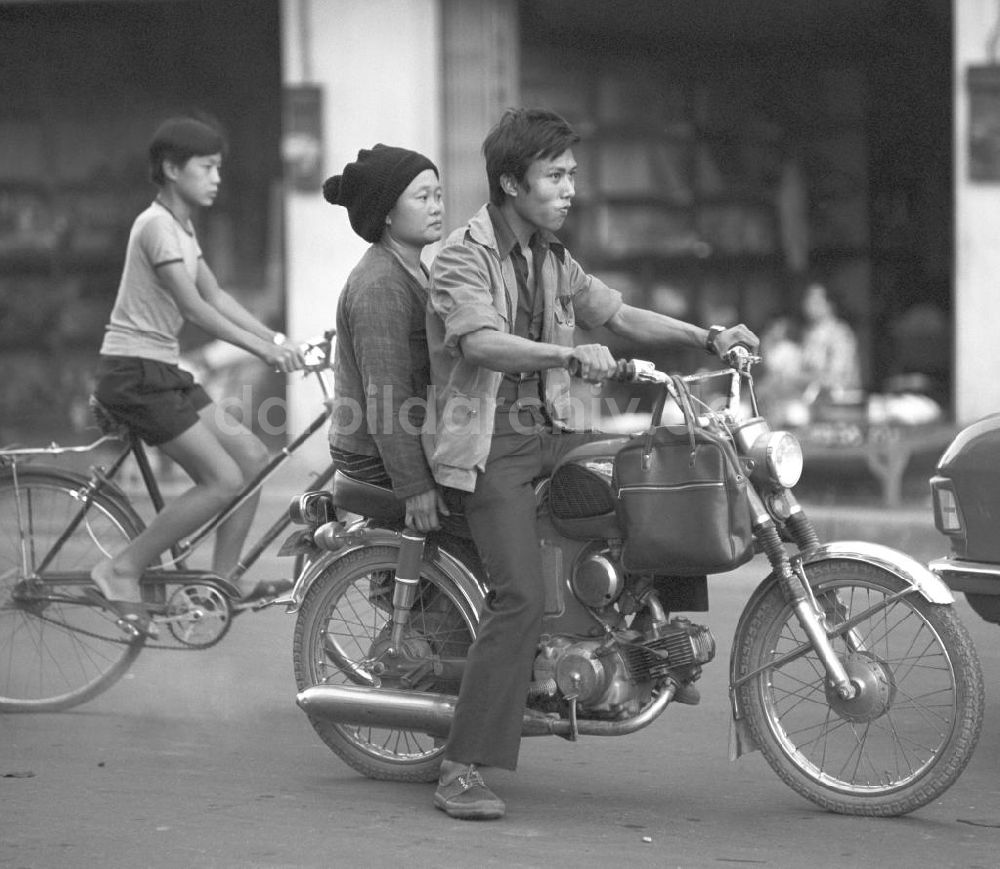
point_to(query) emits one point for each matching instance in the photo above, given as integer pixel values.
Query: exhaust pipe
(360, 706)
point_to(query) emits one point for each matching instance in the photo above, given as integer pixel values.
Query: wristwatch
(279, 338)
(713, 333)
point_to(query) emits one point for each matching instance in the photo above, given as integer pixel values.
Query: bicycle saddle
(106, 420)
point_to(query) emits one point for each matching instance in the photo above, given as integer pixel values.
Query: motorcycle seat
(367, 499)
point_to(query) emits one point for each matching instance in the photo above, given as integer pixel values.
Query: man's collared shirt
(474, 285)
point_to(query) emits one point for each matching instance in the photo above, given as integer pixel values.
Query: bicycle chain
(123, 642)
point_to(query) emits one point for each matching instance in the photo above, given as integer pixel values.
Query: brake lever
(740, 358)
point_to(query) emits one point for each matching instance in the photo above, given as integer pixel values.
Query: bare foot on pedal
(115, 585)
(120, 594)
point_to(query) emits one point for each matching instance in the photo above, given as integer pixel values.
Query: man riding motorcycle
(505, 300)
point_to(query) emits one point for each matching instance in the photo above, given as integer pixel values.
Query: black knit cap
(369, 187)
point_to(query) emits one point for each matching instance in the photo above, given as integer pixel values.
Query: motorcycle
(965, 498)
(850, 670)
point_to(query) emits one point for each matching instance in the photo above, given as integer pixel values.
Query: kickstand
(574, 730)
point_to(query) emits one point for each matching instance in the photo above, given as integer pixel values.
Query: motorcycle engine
(612, 677)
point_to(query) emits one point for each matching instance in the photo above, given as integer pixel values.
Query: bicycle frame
(102, 478)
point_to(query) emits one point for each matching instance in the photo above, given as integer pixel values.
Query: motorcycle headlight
(780, 453)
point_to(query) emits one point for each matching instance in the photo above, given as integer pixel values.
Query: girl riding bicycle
(165, 283)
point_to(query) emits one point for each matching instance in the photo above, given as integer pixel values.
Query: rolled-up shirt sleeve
(460, 293)
(594, 302)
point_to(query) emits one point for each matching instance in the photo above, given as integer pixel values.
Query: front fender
(931, 587)
(436, 552)
(920, 578)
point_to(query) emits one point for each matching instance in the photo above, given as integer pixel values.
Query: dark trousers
(501, 513)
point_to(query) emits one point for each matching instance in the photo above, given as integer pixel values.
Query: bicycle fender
(110, 488)
(438, 553)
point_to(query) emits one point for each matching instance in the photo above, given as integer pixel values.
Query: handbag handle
(683, 399)
(677, 389)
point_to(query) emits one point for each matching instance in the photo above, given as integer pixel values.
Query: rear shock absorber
(411, 553)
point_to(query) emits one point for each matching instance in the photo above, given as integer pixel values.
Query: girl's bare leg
(217, 478)
(250, 455)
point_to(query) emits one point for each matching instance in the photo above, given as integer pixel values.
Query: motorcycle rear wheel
(341, 637)
(906, 737)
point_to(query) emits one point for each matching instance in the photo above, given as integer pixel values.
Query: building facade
(728, 150)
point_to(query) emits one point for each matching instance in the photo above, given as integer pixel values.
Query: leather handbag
(682, 497)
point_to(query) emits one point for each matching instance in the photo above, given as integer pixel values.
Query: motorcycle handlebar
(641, 371)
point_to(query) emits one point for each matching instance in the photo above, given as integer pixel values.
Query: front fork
(795, 587)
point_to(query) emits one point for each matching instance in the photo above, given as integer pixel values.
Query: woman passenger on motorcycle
(393, 200)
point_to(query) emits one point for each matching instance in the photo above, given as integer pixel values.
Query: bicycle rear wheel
(57, 649)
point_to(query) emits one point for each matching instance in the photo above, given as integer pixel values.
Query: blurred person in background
(830, 363)
(808, 361)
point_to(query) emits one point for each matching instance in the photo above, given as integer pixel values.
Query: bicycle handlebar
(318, 352)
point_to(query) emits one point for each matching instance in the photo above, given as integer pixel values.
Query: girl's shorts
(157, 400)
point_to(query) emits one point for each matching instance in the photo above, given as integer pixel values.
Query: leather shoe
(467, 798)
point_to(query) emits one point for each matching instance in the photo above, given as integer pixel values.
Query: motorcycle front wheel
(914, 723)
(342, 638)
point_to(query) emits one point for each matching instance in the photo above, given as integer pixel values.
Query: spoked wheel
(907, 735)
(57, 649)
(342, 638)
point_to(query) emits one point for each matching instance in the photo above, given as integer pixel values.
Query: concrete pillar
(481, 78)
(977, 230)
(378, 64)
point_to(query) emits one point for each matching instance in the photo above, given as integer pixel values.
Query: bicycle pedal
(127, 627)
(254, 605)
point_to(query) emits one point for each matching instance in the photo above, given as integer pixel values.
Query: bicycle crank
(198, 616)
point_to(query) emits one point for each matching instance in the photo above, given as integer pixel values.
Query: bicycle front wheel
(56, 648)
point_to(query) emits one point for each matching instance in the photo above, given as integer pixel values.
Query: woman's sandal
(132, 615)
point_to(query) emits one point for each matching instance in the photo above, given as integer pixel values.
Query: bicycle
(59, 646)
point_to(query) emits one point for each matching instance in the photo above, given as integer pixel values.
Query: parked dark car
(966, 495)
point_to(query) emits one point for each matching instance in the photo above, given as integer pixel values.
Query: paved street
(202, 759)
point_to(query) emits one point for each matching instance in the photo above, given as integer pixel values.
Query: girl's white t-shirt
(145, 320)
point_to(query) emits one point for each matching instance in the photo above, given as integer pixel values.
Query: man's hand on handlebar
(734, 336)
(591, 362)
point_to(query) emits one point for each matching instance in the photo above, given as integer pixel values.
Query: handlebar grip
(625, 372)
